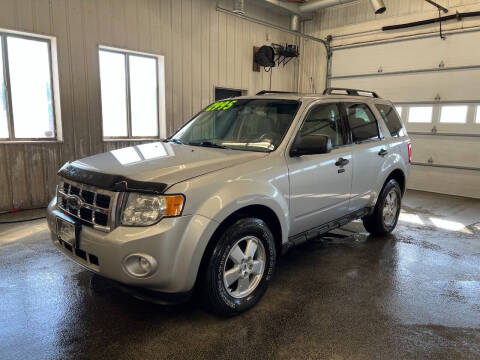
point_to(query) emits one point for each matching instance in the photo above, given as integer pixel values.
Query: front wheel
(384, 218)
(240, 267)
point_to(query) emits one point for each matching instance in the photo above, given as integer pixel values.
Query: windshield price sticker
(222, 105)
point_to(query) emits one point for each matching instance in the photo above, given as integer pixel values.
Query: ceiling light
(378, 6)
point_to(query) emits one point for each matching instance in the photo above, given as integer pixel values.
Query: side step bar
(322, 229)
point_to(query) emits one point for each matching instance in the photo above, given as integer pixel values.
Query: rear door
(399, 140)
(320, 184)
(369, 150)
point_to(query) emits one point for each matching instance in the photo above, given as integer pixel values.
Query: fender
(242, 193)
(218, 195)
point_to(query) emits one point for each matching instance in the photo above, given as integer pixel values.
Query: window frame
(54, 85)
(344, 106)
(160, 93)
(433, 116)
(436, 127)
(440, 114)
(344, 128)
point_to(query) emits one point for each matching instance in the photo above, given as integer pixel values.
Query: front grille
(103, 201)
(95, 206)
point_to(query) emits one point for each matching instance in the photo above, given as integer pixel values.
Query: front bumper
(177, 244)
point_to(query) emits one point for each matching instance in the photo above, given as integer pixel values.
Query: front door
(320, 184)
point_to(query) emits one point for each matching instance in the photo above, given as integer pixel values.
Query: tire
(224, 288)
(376, 223)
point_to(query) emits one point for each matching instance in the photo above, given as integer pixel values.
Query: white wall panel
(445, 181)
(405, 55)
(446, 150)
(459, 85)
(455, 85)
(355, 23)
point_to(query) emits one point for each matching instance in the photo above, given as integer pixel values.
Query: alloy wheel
(244, 267)
(390, 208)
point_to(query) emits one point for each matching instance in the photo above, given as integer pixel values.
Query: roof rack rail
(263, 92)
(352, 92)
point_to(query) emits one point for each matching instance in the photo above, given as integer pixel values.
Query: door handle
(342, 162)
(383, 152)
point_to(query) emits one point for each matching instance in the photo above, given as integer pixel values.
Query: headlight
(144, 210)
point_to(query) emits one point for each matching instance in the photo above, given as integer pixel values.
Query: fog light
(140, 265)
(144, 264)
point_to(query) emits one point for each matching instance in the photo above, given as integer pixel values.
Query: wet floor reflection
(346, 295)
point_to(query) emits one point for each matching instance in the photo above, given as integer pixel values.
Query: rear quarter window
(391, 119)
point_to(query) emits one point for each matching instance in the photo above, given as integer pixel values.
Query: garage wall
(312, 70)
(361, 49)
(203, 48)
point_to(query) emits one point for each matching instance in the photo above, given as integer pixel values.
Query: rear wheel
(384, 218)
(240, 267)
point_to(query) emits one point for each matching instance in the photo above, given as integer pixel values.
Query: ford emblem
(74, 202)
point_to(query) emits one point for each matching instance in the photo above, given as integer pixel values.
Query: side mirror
(311, 145)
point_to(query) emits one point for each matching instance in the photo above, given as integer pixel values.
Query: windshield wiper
(175, 141)
(207, 144)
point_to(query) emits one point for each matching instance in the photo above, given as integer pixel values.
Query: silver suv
(211, 207)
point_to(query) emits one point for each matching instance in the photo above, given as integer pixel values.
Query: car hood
(158, 162)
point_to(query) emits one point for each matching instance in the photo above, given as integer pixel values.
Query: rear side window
(391, 119)
(362, 122)
(324, 119)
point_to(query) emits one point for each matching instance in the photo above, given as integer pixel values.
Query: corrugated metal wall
(202, 47)
(313, 64)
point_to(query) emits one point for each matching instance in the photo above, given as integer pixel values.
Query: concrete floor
(415, 294)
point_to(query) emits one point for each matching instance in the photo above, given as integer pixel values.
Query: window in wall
(363, 124)
(26, 96)
(477, 116)
(324, 120)
(391, 119)
(420, 114)
(454, 114)
(130, 94)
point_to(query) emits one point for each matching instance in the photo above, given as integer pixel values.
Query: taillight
(409, 152)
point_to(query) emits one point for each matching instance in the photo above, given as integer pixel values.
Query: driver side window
(324, 119)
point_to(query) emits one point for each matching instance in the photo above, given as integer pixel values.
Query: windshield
(243, 124)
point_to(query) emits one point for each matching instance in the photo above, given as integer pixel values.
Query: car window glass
(241, 124)
(362, 122)
(391, 119)
(324, 120)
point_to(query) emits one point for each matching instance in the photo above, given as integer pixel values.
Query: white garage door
(436, 85)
